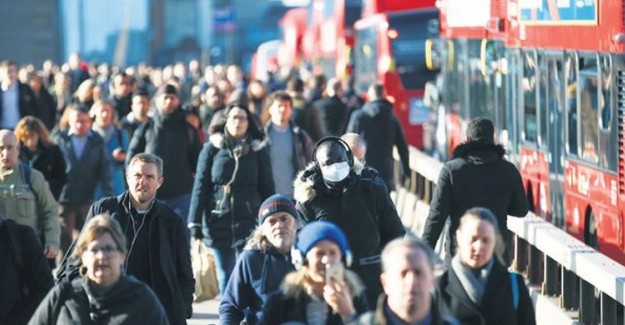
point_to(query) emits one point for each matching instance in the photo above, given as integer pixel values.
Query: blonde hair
(95, 228)
(31, 125)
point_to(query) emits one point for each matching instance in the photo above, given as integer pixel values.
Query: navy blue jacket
(255, 276)
(84, 174)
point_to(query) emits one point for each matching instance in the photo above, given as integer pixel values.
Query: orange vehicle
(390, 48)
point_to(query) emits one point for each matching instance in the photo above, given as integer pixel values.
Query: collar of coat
(294, 128)
(295, 284)
(472, 147)
(305, 181)
(218, 140)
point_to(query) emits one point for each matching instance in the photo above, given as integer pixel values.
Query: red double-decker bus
(468, 89)
(567, 66)
(559, 72)
(329, 38)
(292, 26)
(390, 48)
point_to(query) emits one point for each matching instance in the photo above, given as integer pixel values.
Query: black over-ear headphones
(350, 156)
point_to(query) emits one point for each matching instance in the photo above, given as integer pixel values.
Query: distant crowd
(106, 174)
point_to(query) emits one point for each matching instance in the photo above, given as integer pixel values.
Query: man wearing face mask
(334, 188)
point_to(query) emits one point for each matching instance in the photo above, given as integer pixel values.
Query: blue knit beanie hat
(276, 203)
(317, 231)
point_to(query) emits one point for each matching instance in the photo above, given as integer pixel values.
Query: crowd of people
(107, 173)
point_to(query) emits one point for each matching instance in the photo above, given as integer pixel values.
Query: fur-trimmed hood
(479, 151)
(218, 140)
(305, 181)
(295, 284)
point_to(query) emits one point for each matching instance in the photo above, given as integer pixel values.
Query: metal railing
(584, 284)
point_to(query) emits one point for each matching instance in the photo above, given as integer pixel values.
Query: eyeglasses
(240, 118)
(107, 250)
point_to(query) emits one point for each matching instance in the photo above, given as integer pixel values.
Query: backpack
(25, 173)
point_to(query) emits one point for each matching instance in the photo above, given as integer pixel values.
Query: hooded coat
(126, 302)
(230, 218)
(259, 272)
(477, 176)
(381, 130)
(362, 209)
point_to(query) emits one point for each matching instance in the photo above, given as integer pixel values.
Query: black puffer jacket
(477, 176)
(363, 210)
(230, 220)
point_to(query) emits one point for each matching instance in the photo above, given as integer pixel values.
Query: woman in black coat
(232, 178)
(477, 289)
(103, 295)
(38, 151)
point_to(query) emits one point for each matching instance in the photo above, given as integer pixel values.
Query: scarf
(473, 285)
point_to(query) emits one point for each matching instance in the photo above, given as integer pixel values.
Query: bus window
(408, 46)
(528, 84)
(589, 98)
(478, 99)
(608, 135)
(543, 98)
(571, 103)
(353, 8)
(366, 67)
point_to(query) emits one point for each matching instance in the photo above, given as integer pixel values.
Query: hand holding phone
(335, 271)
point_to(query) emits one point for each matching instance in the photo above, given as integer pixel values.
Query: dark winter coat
(230, 220)
(170, 258)
(18, 275)
(332, 116)
(128, 301)
(44, 108)
(177, 142)
(380, 317)
(289, 304)
(363, 210)
(306, 117)
(49, 161)
(84, 174)
(25, 100)
(258, 273)
(477, 176)
(497, 306)
(379, 127)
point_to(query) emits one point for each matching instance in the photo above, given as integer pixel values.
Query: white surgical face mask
(335, 172)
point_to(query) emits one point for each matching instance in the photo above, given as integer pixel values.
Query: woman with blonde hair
(39, 152)
(103, 294)
(322, 290)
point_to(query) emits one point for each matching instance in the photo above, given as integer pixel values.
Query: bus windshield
(366, 63)
(411, 30)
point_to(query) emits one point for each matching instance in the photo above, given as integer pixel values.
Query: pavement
(205, 313)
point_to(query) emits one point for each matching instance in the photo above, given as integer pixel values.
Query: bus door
(552, 102)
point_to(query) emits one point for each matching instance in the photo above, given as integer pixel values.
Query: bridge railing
(585, 286)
